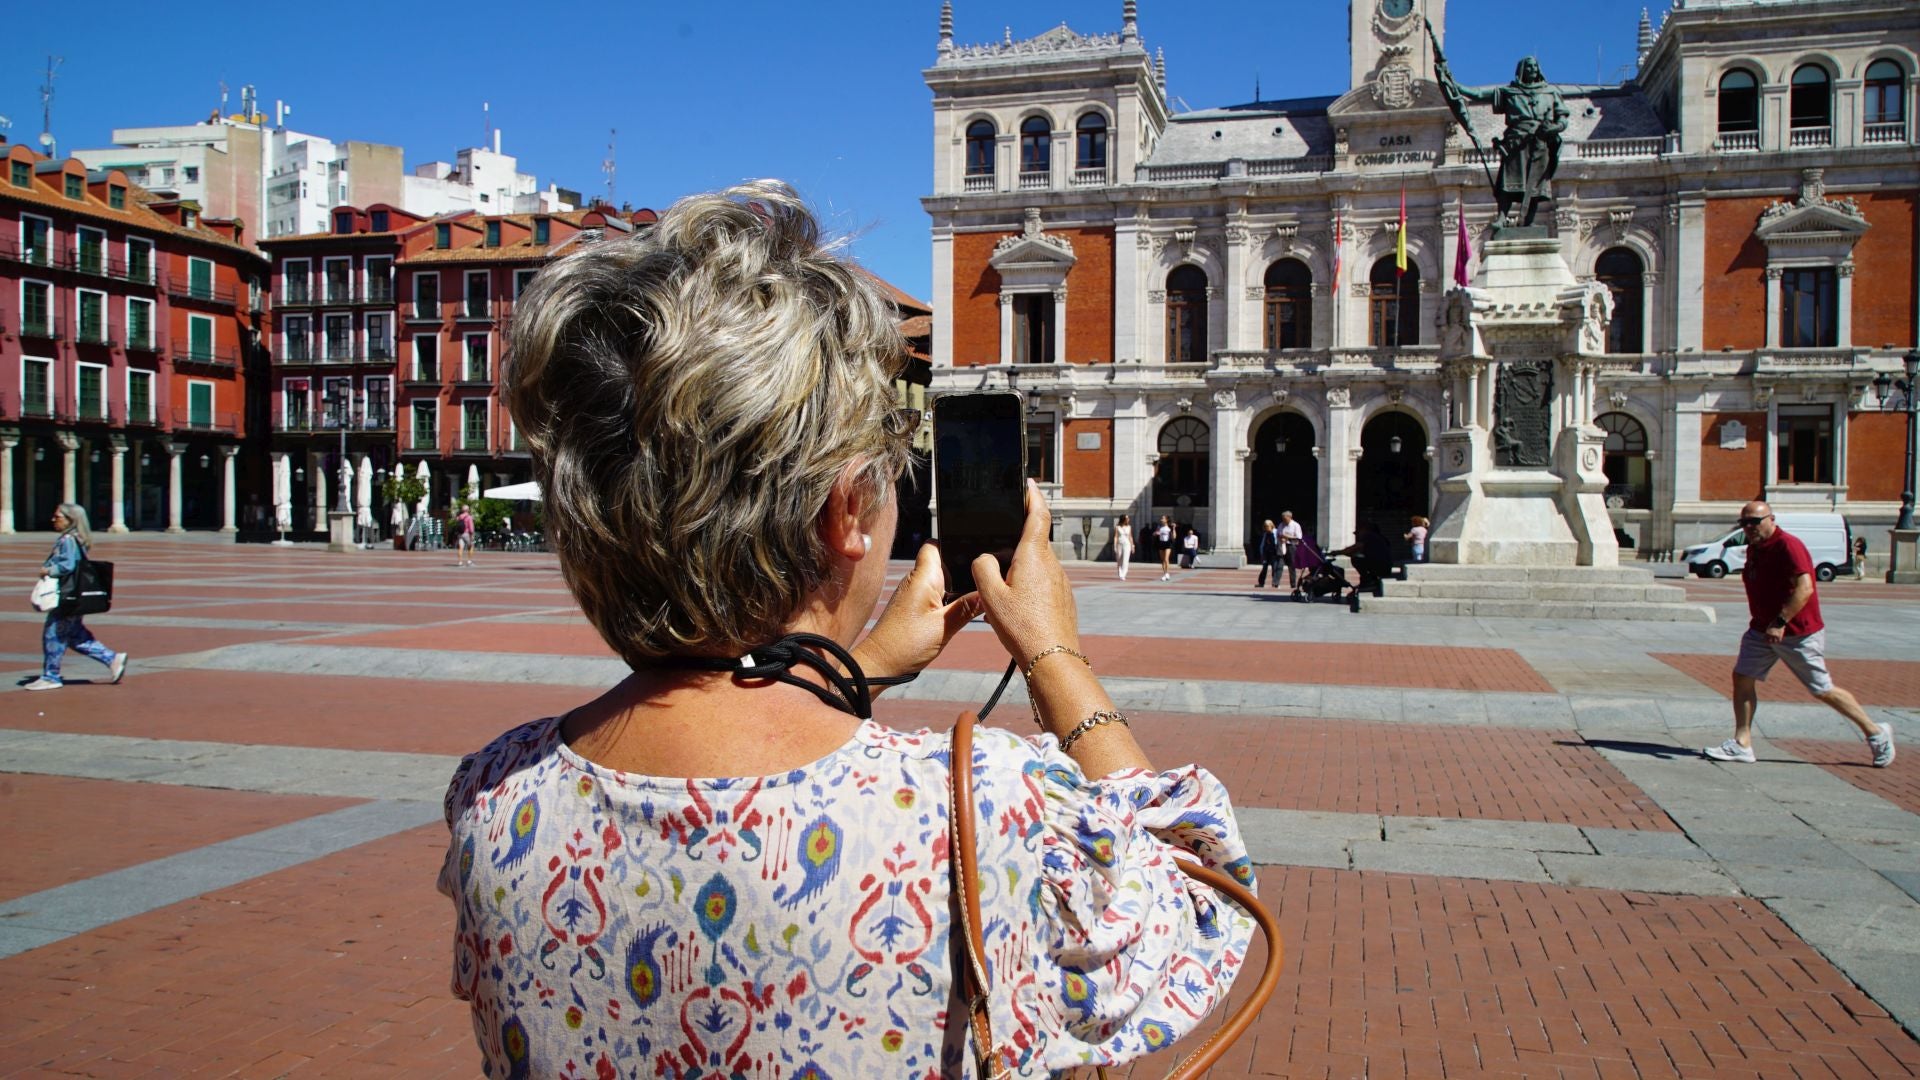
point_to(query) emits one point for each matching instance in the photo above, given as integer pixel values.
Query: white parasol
(426, 495)
(473, 480)
(529, 491)
(345, 491)
(364, 495)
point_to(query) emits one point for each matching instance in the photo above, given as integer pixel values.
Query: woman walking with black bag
(64, 628)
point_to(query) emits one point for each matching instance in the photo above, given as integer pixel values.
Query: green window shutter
(92, 255)
(92, 325)
(90, 404)
(140, 397)
(200, 338)
(200, 277)
(35, 313)
(200, 404)
(139, 324)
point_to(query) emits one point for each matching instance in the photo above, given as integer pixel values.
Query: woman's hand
(1032, 607)
(916, 625)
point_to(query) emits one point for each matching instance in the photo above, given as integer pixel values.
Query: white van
(1829, 543)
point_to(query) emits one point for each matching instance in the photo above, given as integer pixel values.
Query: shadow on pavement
(1664, 751)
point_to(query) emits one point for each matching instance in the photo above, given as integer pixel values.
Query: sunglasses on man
(1753, 522)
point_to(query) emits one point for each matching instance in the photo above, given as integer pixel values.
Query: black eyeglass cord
(850, 693)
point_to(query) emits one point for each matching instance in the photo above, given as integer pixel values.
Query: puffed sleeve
(1143, 952)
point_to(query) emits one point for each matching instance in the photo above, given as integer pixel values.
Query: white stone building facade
(1162, 286)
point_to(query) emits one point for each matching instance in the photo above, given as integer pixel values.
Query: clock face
(1396, 9)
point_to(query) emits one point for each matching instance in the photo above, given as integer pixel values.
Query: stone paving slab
(1447, 860)
(1636, 874)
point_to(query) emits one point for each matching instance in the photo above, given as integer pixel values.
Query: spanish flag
(1400, 237)
(1338, 240)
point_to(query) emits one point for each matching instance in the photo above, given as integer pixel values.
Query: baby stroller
(1318, 575)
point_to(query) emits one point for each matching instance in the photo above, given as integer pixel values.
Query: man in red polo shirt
(1785, 625)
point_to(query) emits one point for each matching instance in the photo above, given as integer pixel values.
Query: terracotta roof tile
(138, 214)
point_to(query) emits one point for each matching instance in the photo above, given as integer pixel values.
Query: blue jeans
(66, 632)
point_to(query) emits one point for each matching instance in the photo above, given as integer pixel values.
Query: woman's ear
(843, 523)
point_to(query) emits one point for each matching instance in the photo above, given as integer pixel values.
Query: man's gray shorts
(1806, 656)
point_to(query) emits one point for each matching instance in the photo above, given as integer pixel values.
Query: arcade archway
(1393, 478)
(1286, 475)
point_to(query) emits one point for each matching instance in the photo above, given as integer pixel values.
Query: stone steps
(1536, 592)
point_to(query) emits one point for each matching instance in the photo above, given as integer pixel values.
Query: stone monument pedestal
(340, 531)
(1520, 480)
(1903, 550)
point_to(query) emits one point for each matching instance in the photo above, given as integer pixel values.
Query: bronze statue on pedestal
(1530, 146)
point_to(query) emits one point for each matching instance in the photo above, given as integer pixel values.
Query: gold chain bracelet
(1091, 722)
(1049, 651)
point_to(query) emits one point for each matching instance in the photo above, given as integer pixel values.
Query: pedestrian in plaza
(1417, 536)
(1859, 558)
(1189, 547)
(1290, 536)
(1123, 543)
(604, 893)
(1371, 554)
(1163, 543)
(1268, 549)
(1783, 609)
(68, 631)
(463, 536)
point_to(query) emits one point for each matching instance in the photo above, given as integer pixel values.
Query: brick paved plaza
(1492, 844)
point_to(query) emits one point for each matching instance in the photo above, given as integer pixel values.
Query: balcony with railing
(184, 289)
(42, 327)
(297, 299)
(1738, 142)
(421, 441)
(476, 309)
(473, 441)
(205, 359)
(1090, 176)
(141, 414)
(36, 404)
(92, 410)
(1037, 180)
(1884, 134)
(225, 423)
(143, 340)
(12, 250)
(93, 332)
(1801, 138)
(978, 183)
(419, 312)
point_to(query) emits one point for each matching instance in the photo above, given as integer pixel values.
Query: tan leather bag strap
(973, 973)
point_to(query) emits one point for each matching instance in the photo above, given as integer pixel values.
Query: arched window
(1810, 102)
(1289, 307)
(1394, 311)
(1036, 144)
(1620, 270)
(1186, 315)
(1629, 483)
(1886, 98)
(1739, 102)
(1090, 142)
(1180, 476)
(980, 139)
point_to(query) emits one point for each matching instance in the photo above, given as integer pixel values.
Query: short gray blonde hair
(691, 395)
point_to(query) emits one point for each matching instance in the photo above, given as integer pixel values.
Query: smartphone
(979, 480)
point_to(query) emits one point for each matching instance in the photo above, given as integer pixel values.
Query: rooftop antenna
(486, 123)
(223, 97)
(46, 104)
(608, 165)
(1256, 86)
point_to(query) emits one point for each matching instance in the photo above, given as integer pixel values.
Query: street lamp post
(1903, 564)
(1910, 404)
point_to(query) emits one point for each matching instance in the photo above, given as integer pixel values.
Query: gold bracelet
(1091, 722)
(1049, 651)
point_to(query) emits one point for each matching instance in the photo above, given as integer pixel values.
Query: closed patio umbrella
(426, 496)
(363, 496)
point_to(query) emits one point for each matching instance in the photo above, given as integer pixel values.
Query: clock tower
(1388, 43)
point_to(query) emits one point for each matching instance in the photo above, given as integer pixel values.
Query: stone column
(1687, 223)
(1006, 328)
(1340, 461)
(8, 440)
(69, 448)
(1772, 280)
(227, 454)
(1060, 328)
(119, 525)
(174, 450)
(1229, 465)
(1843, 287)
(317, 476)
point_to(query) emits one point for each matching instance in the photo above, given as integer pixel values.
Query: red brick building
(129, 328)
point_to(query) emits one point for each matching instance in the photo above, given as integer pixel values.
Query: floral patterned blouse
(796, 926)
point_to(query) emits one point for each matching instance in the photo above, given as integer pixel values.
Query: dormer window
(542, 231)
(22, 174)
(117, 196)
(443, 236)
(189, 217)
(493, 234)
(343, 223)
(76, 187)
(381, 221)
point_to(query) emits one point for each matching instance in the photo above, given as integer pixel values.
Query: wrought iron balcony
(44, 328)
(221, 422)
(216, 359)
(186, 290)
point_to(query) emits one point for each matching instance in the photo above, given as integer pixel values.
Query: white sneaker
(119, 666)
(1882, 746)
(1731, 751)
(1166, 577)
(43, 683)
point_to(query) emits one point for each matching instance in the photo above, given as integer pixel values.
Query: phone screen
(979, 480)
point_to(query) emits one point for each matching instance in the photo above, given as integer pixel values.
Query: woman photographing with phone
(723, 865)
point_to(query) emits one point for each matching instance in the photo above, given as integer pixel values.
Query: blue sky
(824, 94)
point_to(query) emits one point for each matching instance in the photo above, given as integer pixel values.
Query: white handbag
(46, 593)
